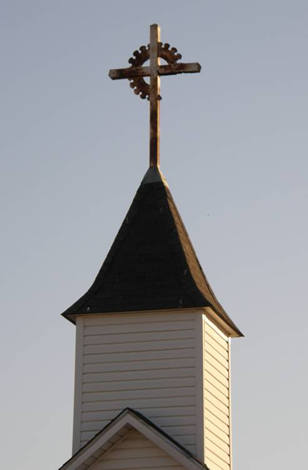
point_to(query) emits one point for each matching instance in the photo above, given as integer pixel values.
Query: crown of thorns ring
(138, 84)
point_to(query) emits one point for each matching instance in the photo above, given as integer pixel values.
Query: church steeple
(152, 263)
(152, 377)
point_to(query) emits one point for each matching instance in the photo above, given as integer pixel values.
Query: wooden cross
(135, 73)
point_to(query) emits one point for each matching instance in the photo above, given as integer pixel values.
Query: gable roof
(152, 263)
(117, 428)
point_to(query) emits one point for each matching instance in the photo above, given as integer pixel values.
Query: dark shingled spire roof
(152, 264)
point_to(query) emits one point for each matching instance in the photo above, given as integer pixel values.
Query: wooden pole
(154, 95)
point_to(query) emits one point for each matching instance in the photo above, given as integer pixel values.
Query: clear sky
(74, 147)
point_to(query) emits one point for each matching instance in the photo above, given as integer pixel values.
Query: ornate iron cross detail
(135, 73)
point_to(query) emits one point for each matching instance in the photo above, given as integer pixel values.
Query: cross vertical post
(154, 96)
(137, 71)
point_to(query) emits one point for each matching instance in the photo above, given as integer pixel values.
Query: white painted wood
(127, 396)
(135, 452)
(199, 387)
(98, 449)
(133, 325)
(187, 443)
(187, 352)
(118, 338)
(182, 402)
(146, 361)
(172, 366)
(141, 317)
(143, 374)
(217, 421)
(78, 383)
(177, 432)
(166, 411)
(230, 408)
(128, 366)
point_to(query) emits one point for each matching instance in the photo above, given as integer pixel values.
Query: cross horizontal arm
(129, 72)
(170, 69)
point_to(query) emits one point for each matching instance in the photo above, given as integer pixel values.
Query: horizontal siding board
(136, 441)
(129, 366)
(93, 426)
(140, 326)
(144, 451)
(137, 318)
(173, 421)
(148, 374)
(163, 403)
(137, 462)
(88, 430)
(139, 346)
(179, 433)
(181, 353)
(139, 385)
(187, 440)
(140, 336)
(150, 412)
(89, 425)
(139, 394)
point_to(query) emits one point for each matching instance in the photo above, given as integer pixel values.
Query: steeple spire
(154, 51)
(152, 340)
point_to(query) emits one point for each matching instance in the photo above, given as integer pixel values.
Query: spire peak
(154, 175)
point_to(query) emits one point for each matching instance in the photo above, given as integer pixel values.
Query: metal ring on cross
(138, 84)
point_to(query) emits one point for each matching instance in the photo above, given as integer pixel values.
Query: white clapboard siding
(128, 366)
(133, 453)
(187, 442)
(160, 404)
(170, 411)
(216, 393)
(143, 360)
(173, 367)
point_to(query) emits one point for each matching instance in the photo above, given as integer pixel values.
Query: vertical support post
(154, 95)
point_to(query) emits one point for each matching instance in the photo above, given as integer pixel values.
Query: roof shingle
(151, 264)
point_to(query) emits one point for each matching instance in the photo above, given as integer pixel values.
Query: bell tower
(152, 377)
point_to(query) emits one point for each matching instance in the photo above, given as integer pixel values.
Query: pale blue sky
(74, 147)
